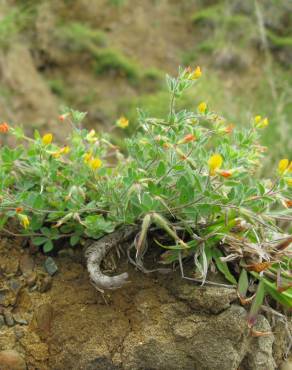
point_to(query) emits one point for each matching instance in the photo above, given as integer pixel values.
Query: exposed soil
(155, 322)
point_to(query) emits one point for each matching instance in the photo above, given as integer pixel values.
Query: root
(96, 252)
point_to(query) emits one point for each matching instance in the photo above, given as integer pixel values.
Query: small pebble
(51, 266)
(19, 320)
(15, 285)
(2, 321)
(8, 318)
(31, 279)
(26, 264)
(19, 332)
(45, 284)
(11, 360)
(68, 252)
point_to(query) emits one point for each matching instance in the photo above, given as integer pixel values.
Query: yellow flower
(260, 122)
(257, 119)
(91, 136)
(24, 220)
(214, 163)
(58, 153)
(123, 122)
(47, 139)
(95, 163)
(66, 150)
(197, 73)
(283, 166)
(202, 107)
(87, 157)
(264, 123)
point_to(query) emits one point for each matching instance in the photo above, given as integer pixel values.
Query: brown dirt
(156, 321)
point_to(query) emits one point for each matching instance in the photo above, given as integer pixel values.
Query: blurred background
(108, 57)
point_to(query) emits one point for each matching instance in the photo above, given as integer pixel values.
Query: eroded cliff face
(156, 322)
(99, 56)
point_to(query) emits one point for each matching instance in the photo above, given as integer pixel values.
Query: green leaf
(243, 283)
(36, 135)
(3, 220)
(284, 298)
(74, 240)
(39, 240)
(222, 266)
(147, 202)
(161, 169)
(48, 246)
(256, 303)
(46, 231)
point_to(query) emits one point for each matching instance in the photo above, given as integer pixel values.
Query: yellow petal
(258, 119)
(283, 165)
(24, 220)
(123, 122)
(47, 139)
(202, 107)
(87, 157)
(95, 163)
(214, 163)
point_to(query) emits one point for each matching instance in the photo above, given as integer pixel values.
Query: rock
(206, 299)
(43, 320)
(19, 319)
(26, 264)
(11, 360)
(68, 252)
(196, 342)
(8, 318)
(31, 279)
(260, 354)
(5, 297)
(50, 266)
(2, 321)
(19, 332)
(15, 286)
(45, 284)
(287, 365)
(10, 292)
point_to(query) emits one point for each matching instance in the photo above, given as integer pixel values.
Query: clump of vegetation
(12, 24)
(107, 60)
(80, 37)
(190, 174)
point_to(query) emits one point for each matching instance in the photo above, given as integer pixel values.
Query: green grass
(12, 25)
(80, 37)
(111, 60)
(57, 86)
(279, 41)
(208, 14)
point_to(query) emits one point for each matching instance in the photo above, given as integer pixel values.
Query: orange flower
(187, 139)
(18, 209)
(4, 128)
(225, 174)
(288, 203)
(229, 129)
